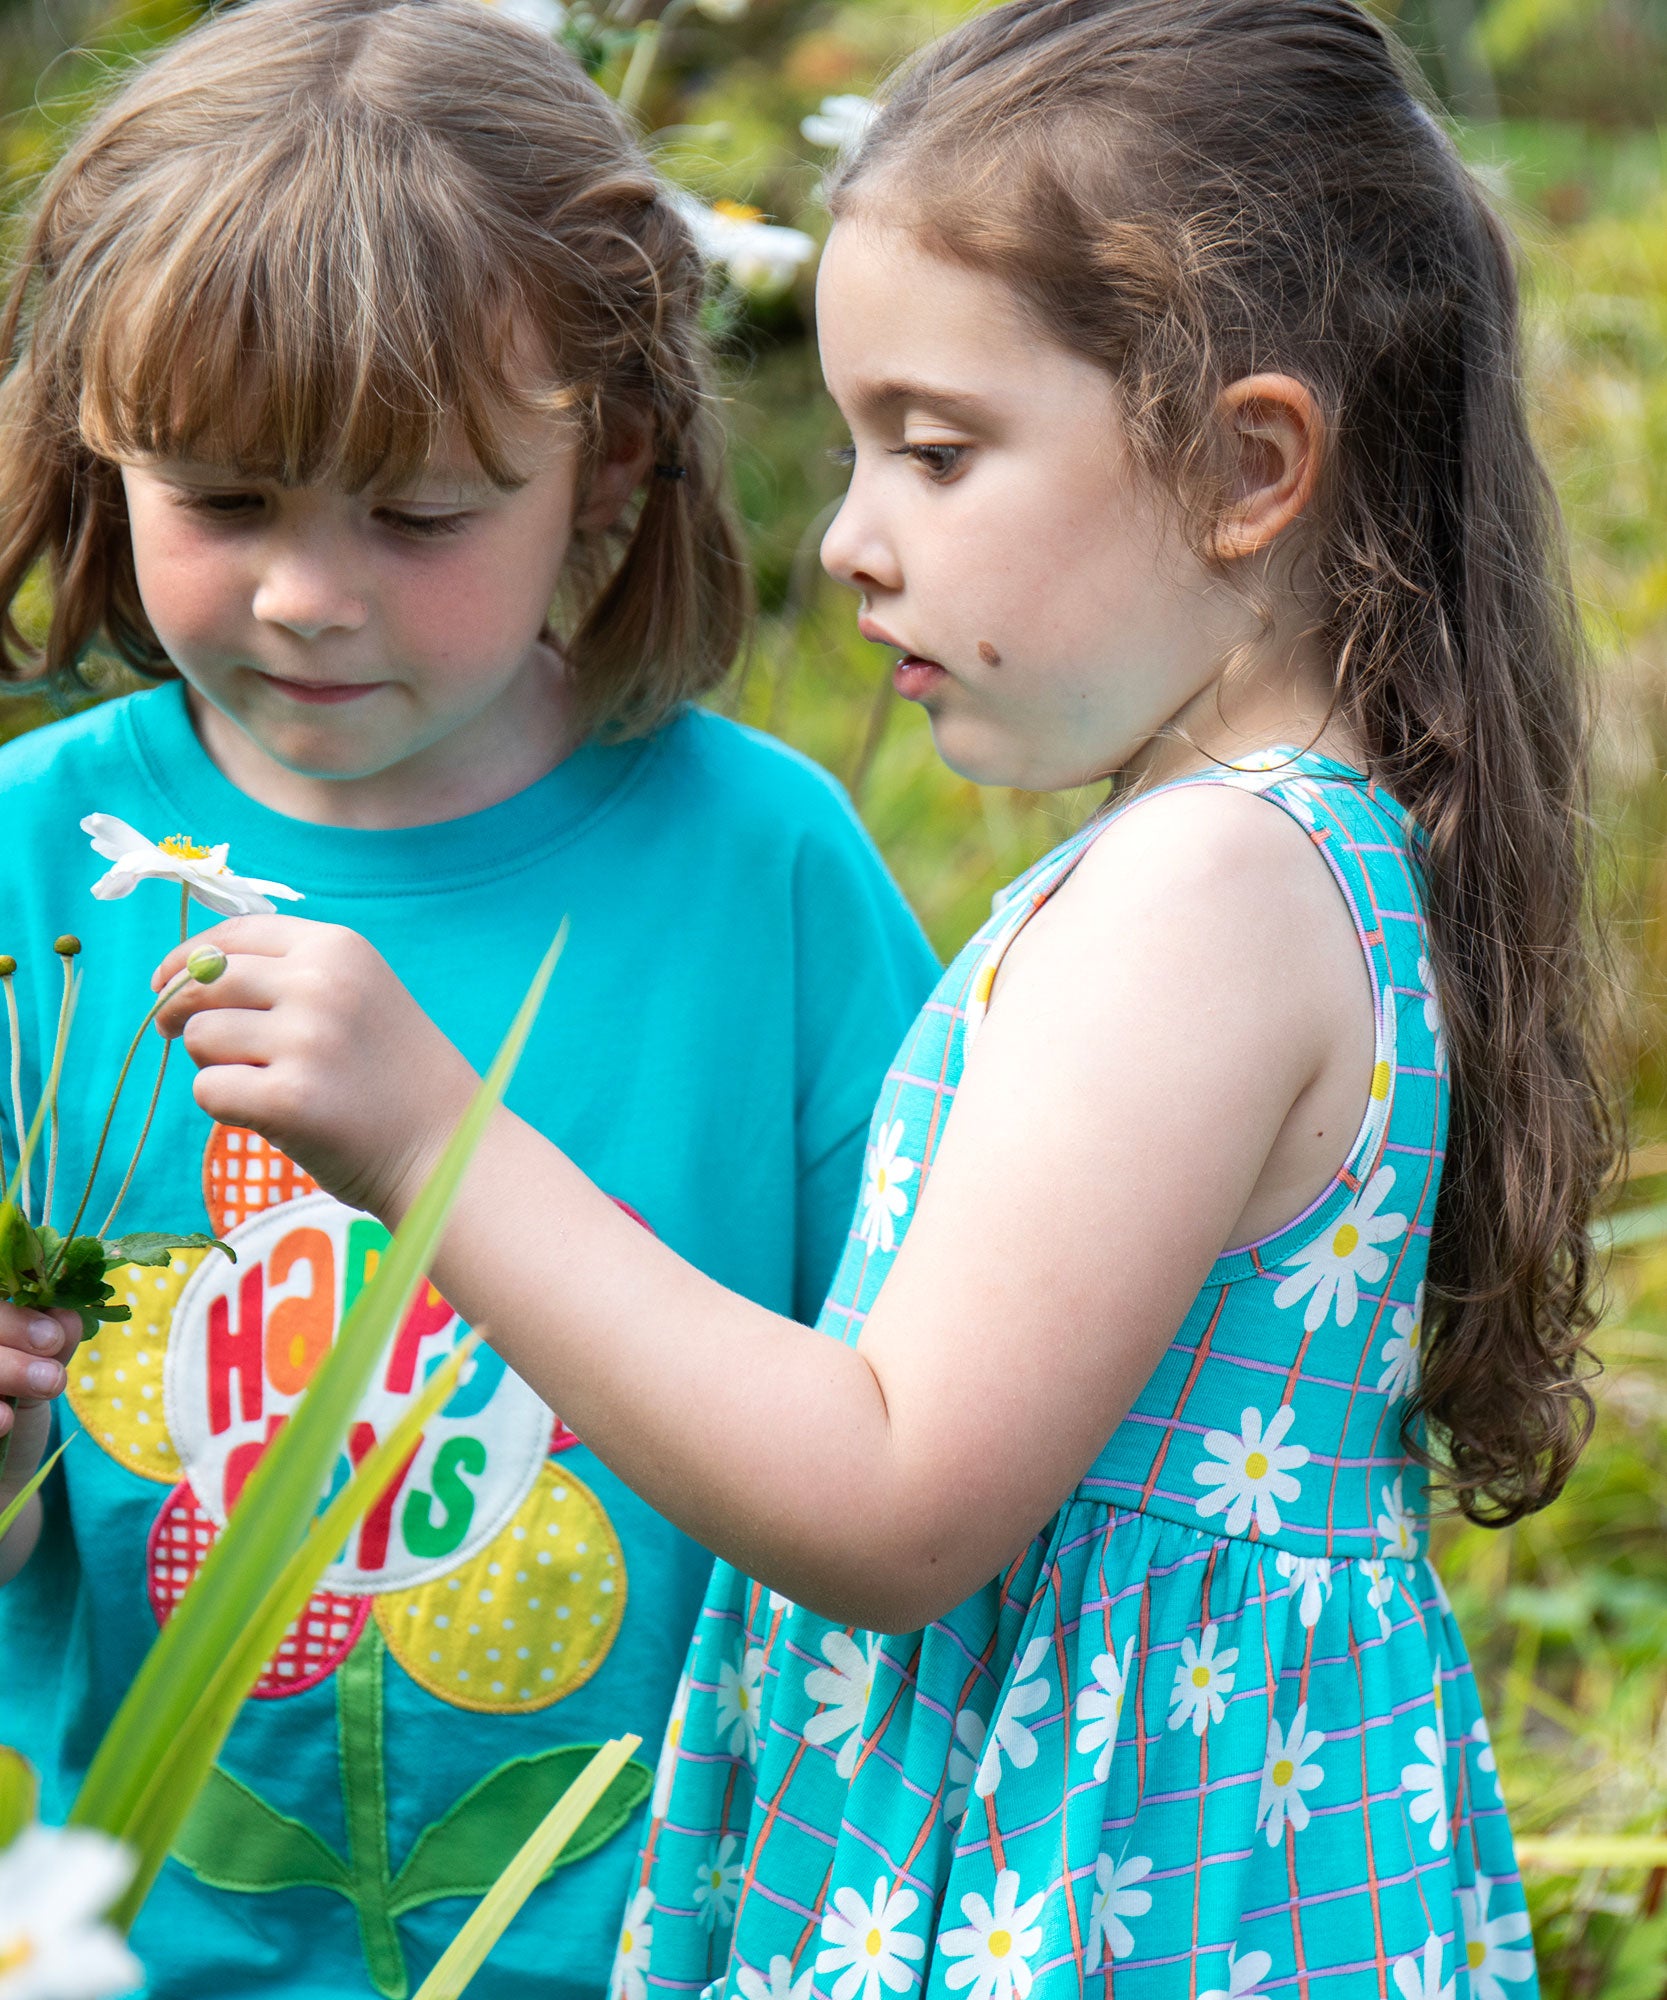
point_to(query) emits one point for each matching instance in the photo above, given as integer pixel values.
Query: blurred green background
(1562, 104)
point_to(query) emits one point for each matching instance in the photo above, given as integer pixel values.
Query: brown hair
(1191, 191)
(308, 237)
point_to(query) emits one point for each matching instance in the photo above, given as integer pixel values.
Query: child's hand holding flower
(310, 1039)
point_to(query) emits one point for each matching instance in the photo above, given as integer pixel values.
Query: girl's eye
(941, 461)
(219, 506)
(422, 527)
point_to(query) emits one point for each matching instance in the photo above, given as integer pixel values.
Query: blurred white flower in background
(759, 256)
(721, 10)
(839, 123)
(549, 17)
(56, 1883)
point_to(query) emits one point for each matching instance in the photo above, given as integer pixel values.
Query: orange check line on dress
(1203, 1779)
(1200, 1355)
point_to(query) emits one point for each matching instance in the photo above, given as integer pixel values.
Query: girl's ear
(627, 454)
(1274, 439)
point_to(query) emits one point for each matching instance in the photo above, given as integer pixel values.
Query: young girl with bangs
(353, 393)
(1074, 1624)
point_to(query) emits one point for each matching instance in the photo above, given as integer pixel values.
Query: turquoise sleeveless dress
(1214, 1733)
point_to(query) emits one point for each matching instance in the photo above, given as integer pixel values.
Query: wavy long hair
(311, 236)
(1191, 191)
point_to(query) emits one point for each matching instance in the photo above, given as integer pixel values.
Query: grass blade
(16, 1506)
(183, 1771)
(280, 1500)
(491, 1916)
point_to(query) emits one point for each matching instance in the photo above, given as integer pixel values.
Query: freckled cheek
(197, 601)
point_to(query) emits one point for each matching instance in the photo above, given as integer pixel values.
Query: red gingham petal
(313, 1647)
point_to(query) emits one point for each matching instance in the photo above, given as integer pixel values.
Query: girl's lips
(320, 691)
(913, 677)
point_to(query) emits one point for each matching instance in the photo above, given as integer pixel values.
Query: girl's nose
(301, 593)
(854, 551)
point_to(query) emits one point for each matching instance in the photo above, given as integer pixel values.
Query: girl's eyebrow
(884, 399)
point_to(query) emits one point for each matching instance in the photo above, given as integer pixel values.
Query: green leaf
(19, 1794)
(21, 1499)
(491, 1917)
(235, 1840)
(152, 1247)
(464, 1853)
(159, 1749)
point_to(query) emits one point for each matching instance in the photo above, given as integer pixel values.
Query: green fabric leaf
(235, 1840)
(19, 1794)
(464, 1852)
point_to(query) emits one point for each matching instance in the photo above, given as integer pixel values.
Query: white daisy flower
(1202, 1681)
(666, 1767)
(1250, 1472)
(1380, 1589)
(781, 1985)
(996, 1943)
(759, 256)
(964, 1755)
(1397, 1529)
(1427, 1782)
(1310, 1574)
(1486, 1944)
(56, 1884)
(1243, 1975)
(739, 1702)
(1432, 1013)
(1381, 1089)
(1287, 1774)
(721, 10)
(845, 1683)
(838, 122)
(1010, 1737)
(1335, 1265)
(1115, 1898)
(629, 1978)
(1484, 1756)
(1420, 1979)
(868, 1941)
(885, 1175)
(718, 1884)
(201, 870)
(1099, 1707)
(1401, 1351)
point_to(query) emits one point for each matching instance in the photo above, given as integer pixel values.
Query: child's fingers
(255, 937)
(34, 1347)
(248, 985)
(217, 1036)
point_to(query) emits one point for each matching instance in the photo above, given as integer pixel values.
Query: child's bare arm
(34, 1351)
(1131, 1090)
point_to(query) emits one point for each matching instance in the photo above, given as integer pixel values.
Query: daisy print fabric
(1214, 1731)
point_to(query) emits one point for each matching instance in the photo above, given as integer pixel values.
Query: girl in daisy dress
(1075, 1623)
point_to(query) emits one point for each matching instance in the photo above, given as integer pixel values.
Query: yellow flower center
(1380, 1081)
(874, 1944)
(16, 1955)
(741, 1698)
(1201, 1677)
(717, 1878)
(625, 1942)
(1474, 1953)
(1284, 1771)
(880, 1179)
(183, 849)
(1256, 1465)
(738, 211)
(1343, 1243)
(1001, 1943)
(1416, 1335)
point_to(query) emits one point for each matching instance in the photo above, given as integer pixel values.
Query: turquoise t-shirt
(740, 971)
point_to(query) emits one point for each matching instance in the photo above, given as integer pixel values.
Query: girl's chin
(990, 756)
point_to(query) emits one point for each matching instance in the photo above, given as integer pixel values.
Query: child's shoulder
(75, 758)
(728, 769)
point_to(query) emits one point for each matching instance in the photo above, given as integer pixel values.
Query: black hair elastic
(671, 472)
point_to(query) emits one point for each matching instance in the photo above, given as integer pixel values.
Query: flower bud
(67, 946)
(206, 964)
(8, 965)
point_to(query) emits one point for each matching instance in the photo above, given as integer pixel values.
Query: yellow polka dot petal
(115, 1377)
(528, 1619)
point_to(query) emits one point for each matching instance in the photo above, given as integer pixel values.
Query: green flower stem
(156, 1089)
(365, 1795)
(162, 1000)
(60, 1047)
(644, 53)
(19, 1121)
